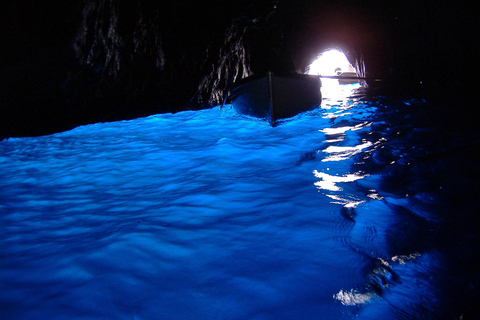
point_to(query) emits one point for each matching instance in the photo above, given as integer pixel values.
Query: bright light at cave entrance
(333, 63)
(330, 63)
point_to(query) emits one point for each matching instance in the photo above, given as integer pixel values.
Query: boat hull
(348, 78)
(276, 97)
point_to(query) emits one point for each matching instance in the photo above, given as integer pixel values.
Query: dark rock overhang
(103, 60)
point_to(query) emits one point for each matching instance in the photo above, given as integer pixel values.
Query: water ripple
(211, 215)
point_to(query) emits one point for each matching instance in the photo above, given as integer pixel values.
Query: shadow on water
(425, 167)
(413, 212)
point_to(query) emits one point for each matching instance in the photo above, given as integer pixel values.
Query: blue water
(212, 215)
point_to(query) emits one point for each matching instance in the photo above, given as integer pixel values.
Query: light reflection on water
(210, 215)
(328, 181)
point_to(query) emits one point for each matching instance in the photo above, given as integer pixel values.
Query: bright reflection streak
(336, 149)
(335, 91)
(345, 202)
(342, 153)
(334, 115)
(353, 297)
(402, 259)
(340, 130)
(332, 131)
(328, 181)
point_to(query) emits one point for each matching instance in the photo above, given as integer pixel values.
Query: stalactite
(233, 61)
(147, 40)
(105, 42)
(98, 43)
(232, 64)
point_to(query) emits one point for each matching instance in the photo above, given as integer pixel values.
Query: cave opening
(337, 73)
(331, 62)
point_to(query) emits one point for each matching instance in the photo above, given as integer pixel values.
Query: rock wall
(103, 60)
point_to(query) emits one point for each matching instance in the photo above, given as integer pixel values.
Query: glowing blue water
(211, 215)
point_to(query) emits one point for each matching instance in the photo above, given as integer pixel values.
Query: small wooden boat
(276, 97)
(348, 78)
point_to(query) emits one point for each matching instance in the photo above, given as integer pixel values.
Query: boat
(275, 97)
(348, 78)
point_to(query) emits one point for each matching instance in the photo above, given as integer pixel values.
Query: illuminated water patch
(212, 215)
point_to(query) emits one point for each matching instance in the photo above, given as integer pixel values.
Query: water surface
(206, 214)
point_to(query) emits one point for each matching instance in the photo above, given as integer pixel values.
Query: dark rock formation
(102, 60)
